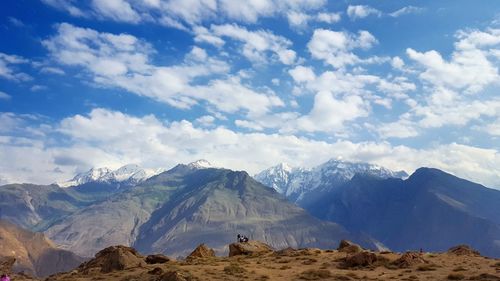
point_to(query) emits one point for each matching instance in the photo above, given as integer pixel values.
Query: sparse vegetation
(234, 269)
(455, 276)
(315, 274)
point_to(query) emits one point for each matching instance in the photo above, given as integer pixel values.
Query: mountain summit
(129, 174)
(302, 185)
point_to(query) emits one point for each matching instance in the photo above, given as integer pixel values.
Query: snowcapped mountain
(201, 164)
(297, 184)
(127, 175)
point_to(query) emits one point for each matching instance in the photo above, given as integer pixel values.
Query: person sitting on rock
(240, 238)
(4, 277)
(244, 239)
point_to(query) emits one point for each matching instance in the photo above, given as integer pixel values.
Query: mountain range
(128, 175)
(173, 211)
(304, 185)
(170, 213)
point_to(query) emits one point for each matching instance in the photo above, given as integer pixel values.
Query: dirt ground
(306, 264)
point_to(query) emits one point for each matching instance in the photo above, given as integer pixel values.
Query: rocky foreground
(257, 261)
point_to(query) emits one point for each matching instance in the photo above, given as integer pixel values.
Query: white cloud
(469, 68)
(123, 61)
(4, 96)
(182, 13)
(397, 63)
(302, 74)
(300, 20)
(110, 138)
(8, 68)
(328, 17)
(361, 11)
(52, 70)
(257, 43)
(66, 5)
(335, 47)
(118, 10)
(330, 114)
(406, 10)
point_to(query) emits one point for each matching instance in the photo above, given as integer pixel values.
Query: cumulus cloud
(361, 11)
(181, 13)
(111, 138)
(124, 61)
(469, 68)
(330, 114)
(255, 44)
(300, 20)
(335, 47)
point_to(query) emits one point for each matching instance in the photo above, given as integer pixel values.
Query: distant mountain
(304, 186)
(34, 253)
(176, 210)
(430, 210)
(128, 175)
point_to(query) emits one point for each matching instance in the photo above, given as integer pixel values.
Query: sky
(248, 84)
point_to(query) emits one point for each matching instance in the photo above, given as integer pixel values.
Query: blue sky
(248, 84)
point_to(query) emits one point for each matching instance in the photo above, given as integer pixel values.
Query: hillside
(430, 210)
(178, 209)
(121, 263)
(34, 253)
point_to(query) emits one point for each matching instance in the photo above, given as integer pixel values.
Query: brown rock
(286, 252)
(202, 251)
(251, 247)
(157, 258)
(346, 246)
(463, 250)
(408, 259)
(113, 258)
(6, 264)
(172, 276)
(360, 259)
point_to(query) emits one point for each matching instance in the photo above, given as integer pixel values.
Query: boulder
(113, 258)
(360, 259)
(463, 250)
(251, 247)
(346, 246)
(6, 264)
(408, 259)
(172, 276)
(287, 252)
(157, 258)
(202, 251)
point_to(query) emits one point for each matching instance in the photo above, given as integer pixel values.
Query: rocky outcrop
(409, 259)
(202, 251)
(6, 264)
(173, 276)
(156, 259)
(463, 250)
(113, 258)
(346, 246)
(251, 247)
(360, 259)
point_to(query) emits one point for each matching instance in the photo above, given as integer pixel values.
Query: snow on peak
(296, 183)
(201, 164)
(129, 174)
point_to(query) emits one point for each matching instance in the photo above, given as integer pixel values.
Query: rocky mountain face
(177, 210)
(34, 253)
(305, 186)
(128, 175)
(430, 210)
